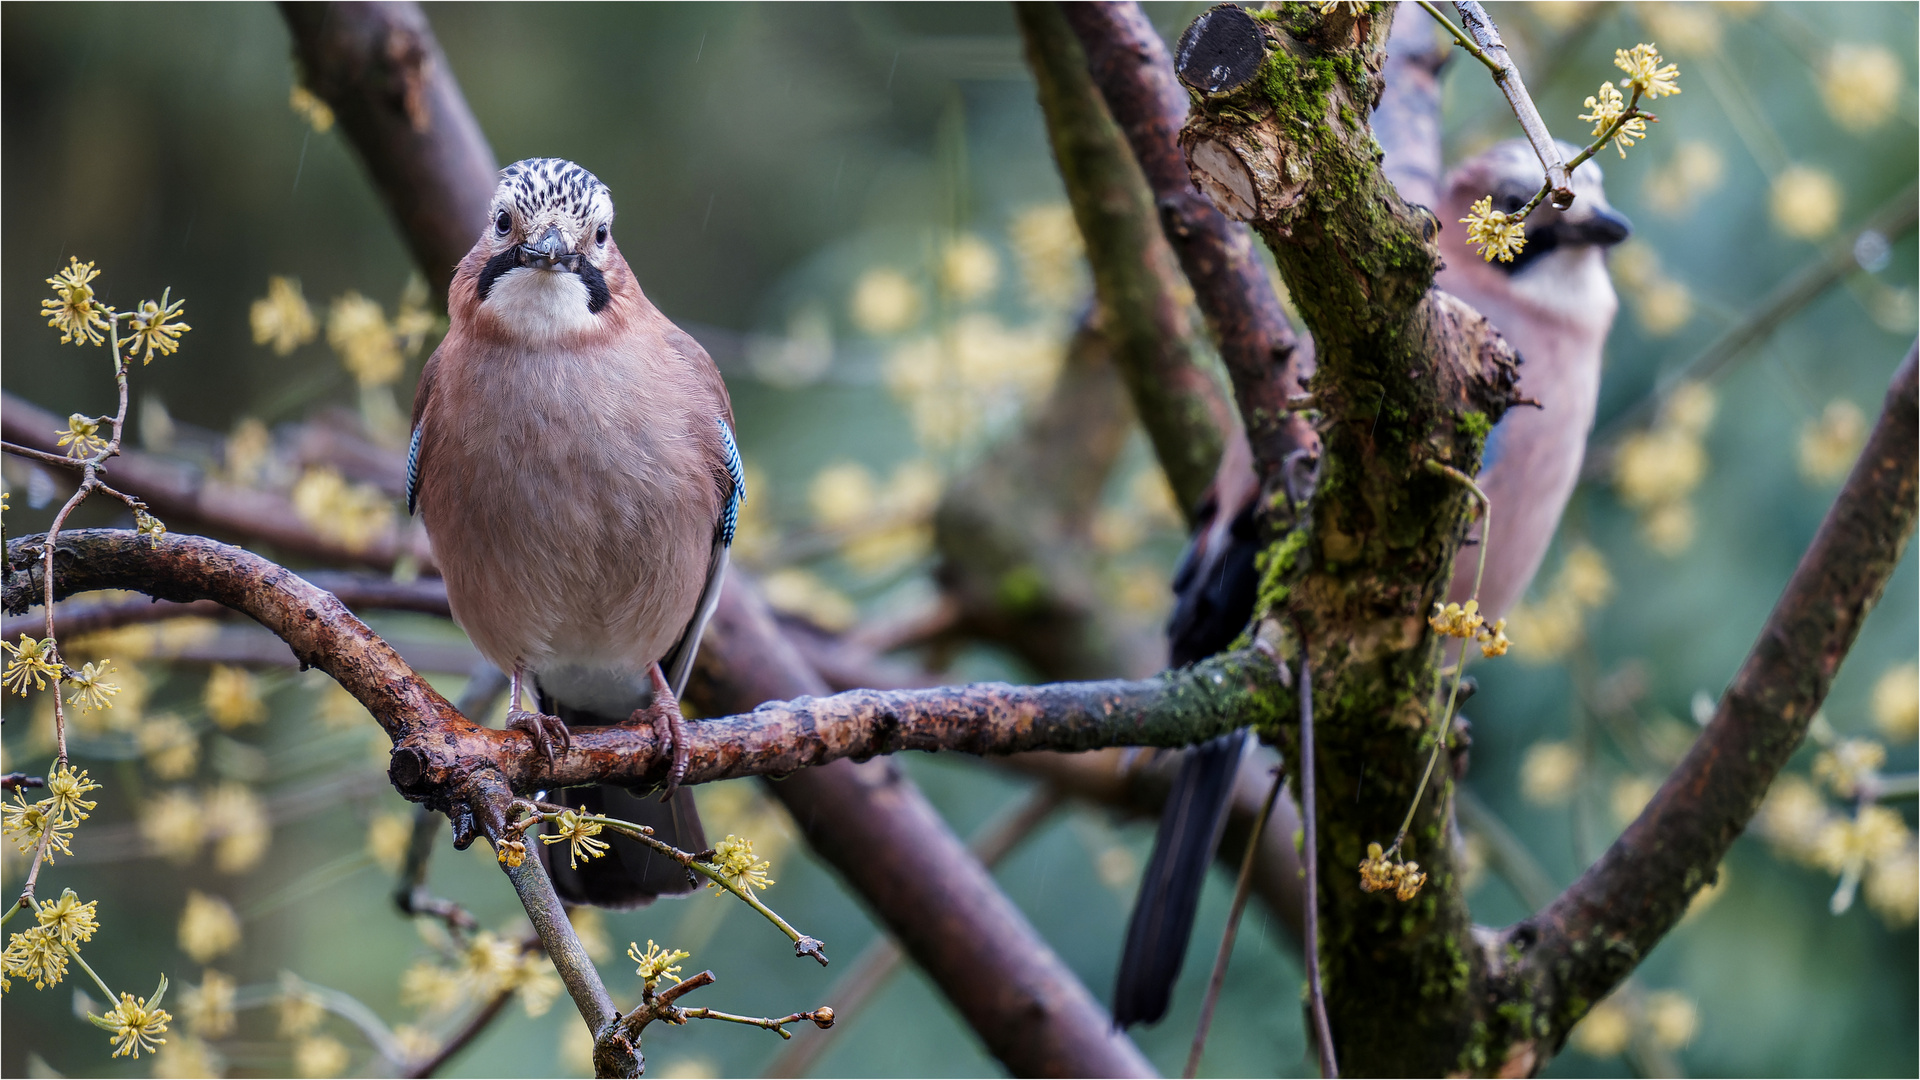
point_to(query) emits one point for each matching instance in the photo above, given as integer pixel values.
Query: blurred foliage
(854, 208)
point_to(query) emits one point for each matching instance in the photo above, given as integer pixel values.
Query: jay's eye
(600, 235)
(503, 223)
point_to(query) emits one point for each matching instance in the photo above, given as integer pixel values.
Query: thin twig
(1243, 885)
(41, 456)
(1493, 52)
(1316, 996)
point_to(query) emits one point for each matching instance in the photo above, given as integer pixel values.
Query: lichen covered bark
(1406, 376)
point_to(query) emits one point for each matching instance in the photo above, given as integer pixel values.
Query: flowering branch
(1569, 955)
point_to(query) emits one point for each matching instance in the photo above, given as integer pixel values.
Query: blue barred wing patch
(730, 517)
(413, 471)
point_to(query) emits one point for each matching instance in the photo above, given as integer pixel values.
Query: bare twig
(1581, 946)
(1486, 47)
(1243, 886)
(1317, 998)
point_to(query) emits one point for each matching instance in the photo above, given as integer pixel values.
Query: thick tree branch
(1572, 954)
(1264, 359)
(381, 69)
(1143, 308)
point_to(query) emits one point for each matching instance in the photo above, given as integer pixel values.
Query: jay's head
(1562, 269)
(548, 249)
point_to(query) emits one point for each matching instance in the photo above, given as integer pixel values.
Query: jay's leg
(545, 730)
(668, 726)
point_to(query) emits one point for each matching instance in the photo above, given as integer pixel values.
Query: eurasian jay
(573, 460)
(1554, 303)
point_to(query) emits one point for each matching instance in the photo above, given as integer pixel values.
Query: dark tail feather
(630, 874)
(1190, 827)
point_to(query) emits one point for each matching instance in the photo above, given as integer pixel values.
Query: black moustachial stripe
(597, 294)
(496, 266)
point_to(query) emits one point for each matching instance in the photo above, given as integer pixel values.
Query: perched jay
(573, 460)
(1554, 303)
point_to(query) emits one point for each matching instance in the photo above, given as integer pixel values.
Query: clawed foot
(543, 729)
(668, 726)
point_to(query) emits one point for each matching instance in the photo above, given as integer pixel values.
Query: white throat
(540, 306)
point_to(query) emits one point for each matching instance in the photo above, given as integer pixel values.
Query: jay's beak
(1603, 228)
(549, 252)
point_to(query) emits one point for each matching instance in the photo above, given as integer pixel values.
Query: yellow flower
(356, 515)
(91, 690)
(66, 789)
(885, 301)
(307, 106)
(416, 1043)
(1669, 528)
(969, 268)
(387, 838)
(238, 824)
(573, 829)
(1645, 74)
(31, 661)
(1695, 168)
(1896, 702)
(136, 1023)
(842, 495)
(320, 1056)
(1687, 27)
(1861, 85)
(1793, 818)
(1665, 310)
(1658, 466)
(1606, 107)
(1829, 444)
(1584, 576)
(431, 988)
(591, 929)
(1047, 240)
(188, 1056)
(173, 825)
(282, 318)
(1874, 833)
(73, 310)
(535, 981)
(734, 856)
(27, 821)
(358, 332)
(208, 1008)
(169, 746)
(489, 961)
(147, 525)
(68, 919)
(413, 320)
(510, 852)
(804, 593)
(36, 953)
(1604, 1032)
(656, 963)
(1806, 202)
(1457, 620)
(1379, 874)
(152, 329)
(301, 1013)
(1671, 1018)
(81, 437)
(1354, 7)
(1498, 235)
(1892, 886)
(208, 927)
(232, 697)
(1549, 772)
(1847, 763)
(1493, 639)
(1546, 630)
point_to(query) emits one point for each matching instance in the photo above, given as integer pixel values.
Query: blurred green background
(855, 207)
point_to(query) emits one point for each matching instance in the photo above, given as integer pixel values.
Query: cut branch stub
(1222, 51)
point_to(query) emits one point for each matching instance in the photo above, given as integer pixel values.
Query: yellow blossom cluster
(580, 834)
(969, 268)
(1872, 844)
(1549, 772)
(1381, 873)
(40, 952)
(357, 330)
(355, 515)
(1052, 256)
(1662, 303)
(1606, 107)
(232, 697)
(1499, 234)
(487, 964)
(307, 106)
(1694, 169)
(283, 318)
(1830, 442)
(734, 857)
(208, 1008)
(1465, 621)
(1667, 1019)
(1847, 764)
(807, 595)
(1656, 470)
(1648, 75)
(1861, 85)
(80, 318)
(1805, 202)
(30, 662)
(1896, 702)
(153, 329)
(136, 1024)
(81, 436)
(56, 816)
(176, 824)
(656, 963)
(972, 375)
(880, 527)
(1553, 623)
(208, 927)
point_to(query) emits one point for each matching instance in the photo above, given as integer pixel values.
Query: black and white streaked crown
(551, 185)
